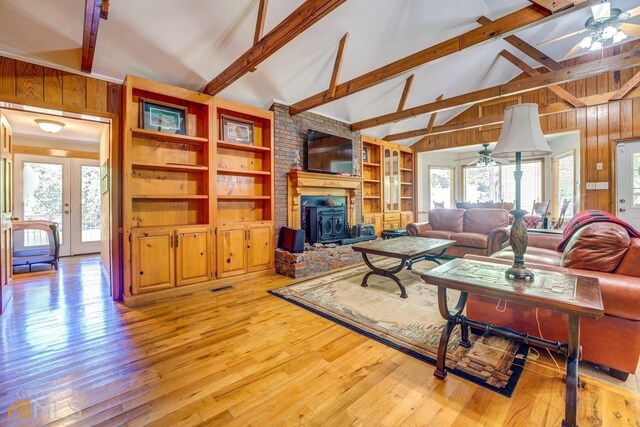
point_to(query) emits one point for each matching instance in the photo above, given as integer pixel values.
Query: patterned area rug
(412, 325)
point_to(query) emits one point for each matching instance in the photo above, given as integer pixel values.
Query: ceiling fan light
(619, 36)
(601, 11)
(49, 126)
(609, 32)
(597, 45)
(586, 42)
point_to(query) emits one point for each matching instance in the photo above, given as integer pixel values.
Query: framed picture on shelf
(237, 130)
(162, 117)
(365, 154)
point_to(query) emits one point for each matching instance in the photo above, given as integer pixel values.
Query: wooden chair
(540, 208)
(438, 205)
(563, 213)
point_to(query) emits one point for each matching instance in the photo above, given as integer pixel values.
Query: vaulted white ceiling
(187, 43)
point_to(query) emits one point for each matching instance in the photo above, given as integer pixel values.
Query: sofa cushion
(630, 265)
(533, 256)
(483, 221)
(447, 219)
(471, 240)
(599, 246)
(437, 234)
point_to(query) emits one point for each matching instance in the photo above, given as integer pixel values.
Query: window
(441, 186)
(496, 183)
(564, 183)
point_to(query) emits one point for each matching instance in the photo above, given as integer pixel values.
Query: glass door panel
(85, 200)
(42, 194)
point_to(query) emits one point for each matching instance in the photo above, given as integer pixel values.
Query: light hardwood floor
(242, 357)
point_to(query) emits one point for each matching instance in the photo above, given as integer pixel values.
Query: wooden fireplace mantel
(302, 183)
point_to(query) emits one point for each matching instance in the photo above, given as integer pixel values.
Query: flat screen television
(329, 153)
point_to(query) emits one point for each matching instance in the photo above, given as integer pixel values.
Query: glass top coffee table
(407, 249)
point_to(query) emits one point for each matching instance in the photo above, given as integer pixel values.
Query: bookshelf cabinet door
(153, 260)
(192, 256)
(232, 251)
(260, 247)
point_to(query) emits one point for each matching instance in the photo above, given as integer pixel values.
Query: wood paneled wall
(34, 85)
(600, 126)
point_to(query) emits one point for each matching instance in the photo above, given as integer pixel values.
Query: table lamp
(521, 136)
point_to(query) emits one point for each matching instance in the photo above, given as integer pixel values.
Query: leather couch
(476, 231)
(602, 250)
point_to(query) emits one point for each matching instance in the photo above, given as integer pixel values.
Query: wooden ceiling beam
(432, 119)
(94, 10)
(581, 71)
(562, 93)
(499, 28)
(555, 108)
(628, 87)
(310, 12)
(262, 14)
(337, 66)
(405, 92)
(527, 49)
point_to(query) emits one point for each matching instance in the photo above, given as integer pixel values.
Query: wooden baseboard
(168, 294)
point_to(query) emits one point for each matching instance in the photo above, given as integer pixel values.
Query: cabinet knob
(141, 273)
(228, 260)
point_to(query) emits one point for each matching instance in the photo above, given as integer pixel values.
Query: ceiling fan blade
(631, 29)
(573, 51)
(634, 12)
(500, 161)
(566, 36)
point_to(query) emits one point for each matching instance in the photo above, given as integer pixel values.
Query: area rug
(412, 325)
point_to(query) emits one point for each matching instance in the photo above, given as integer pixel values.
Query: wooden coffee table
(577, 296)
(407, 249)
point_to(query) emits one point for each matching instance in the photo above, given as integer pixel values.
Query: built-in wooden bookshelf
(198, 206)
(244, 182)
(166, 188)
(388, 184)
(407, 189)
(372, 182)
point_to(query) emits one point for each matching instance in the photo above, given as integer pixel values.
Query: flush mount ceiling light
(49, 126)
(606, 26)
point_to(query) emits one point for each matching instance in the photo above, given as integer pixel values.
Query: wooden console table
(577, 296)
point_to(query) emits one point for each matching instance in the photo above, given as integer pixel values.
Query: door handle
(622, 200)
(622, 210)
(15, 218)
(66, 212)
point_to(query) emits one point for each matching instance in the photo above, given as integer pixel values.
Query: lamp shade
(521, 133)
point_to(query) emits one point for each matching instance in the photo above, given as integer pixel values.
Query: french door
(64, 191)
(628, 182)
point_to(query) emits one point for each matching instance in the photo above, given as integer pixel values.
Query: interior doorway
(59, 177)
(61, 190)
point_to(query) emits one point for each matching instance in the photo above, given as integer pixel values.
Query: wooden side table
(577, 296)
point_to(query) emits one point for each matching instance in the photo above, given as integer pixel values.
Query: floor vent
(221, 288)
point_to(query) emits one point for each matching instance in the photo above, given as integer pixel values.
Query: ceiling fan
(484, 158)
(606, 25)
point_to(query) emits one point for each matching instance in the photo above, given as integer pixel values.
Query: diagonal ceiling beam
(262, 15)
(310, 12)
(581, 71)
(527, 49)
(628, 86)
(499, 28)
(337, 65)
(405, 92)
(562, 93)
(94, 10)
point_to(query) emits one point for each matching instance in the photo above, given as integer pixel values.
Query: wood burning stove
(326, 224)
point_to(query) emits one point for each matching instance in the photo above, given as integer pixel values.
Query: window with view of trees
(496, 183)
(441, 186)
(563, 186)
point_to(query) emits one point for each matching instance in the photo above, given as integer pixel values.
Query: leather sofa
(602, 250)
(476, 231)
